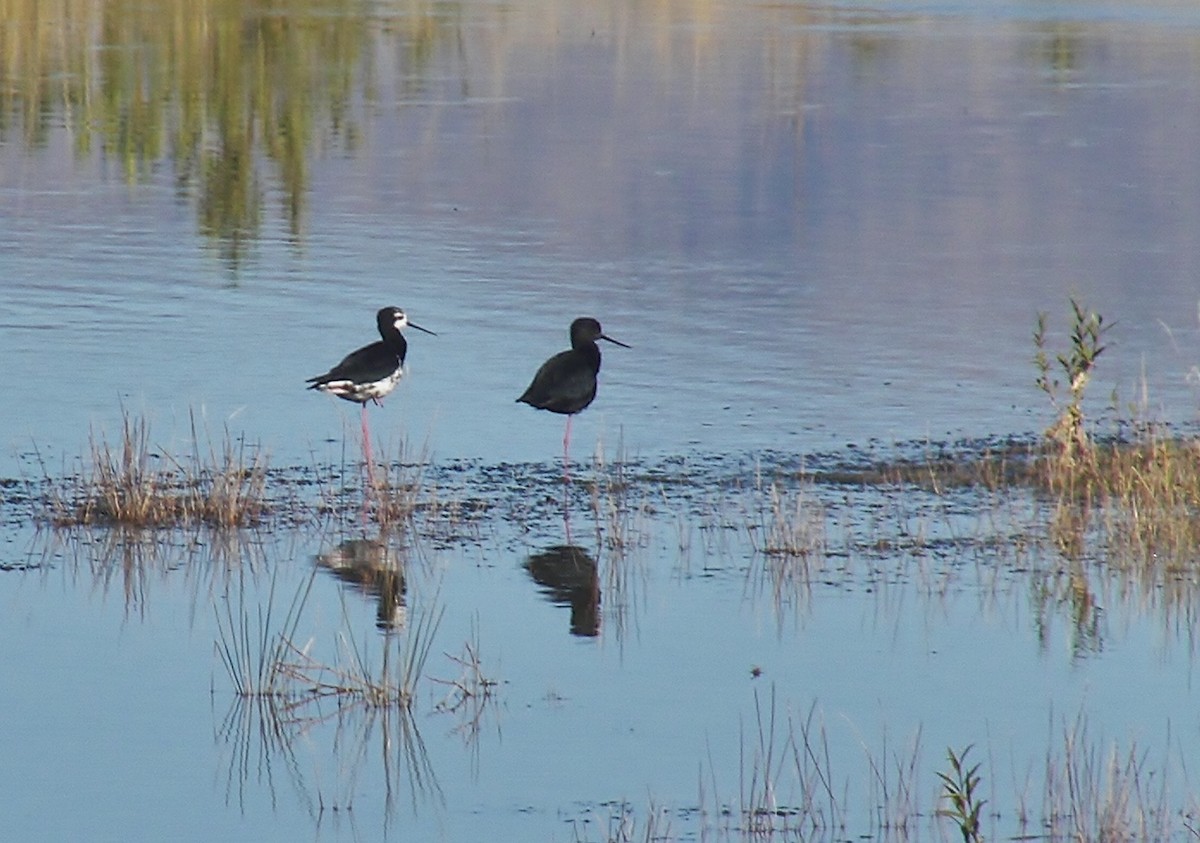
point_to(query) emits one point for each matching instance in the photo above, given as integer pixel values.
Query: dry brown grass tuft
(1110, 795)
(793, 529)
(398, 486)
(132, 483)
(622, 515)
(1143, 497)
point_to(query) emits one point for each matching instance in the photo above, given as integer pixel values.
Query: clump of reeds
(621, 518)
(469, 694)
(1145, 490)
(621, 824)
(1097, 794)
(785, 778)
(760, 802)
(254, 651)
(393, 684)
(263, 660)
(395, 495)
(261, 731)
(1147, 493)
(793, 525)
(393, 491)
(788, 536)
(133, 483)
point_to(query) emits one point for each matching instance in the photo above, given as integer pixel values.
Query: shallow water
(823, 228)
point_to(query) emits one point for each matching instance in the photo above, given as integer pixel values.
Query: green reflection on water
(220, 89)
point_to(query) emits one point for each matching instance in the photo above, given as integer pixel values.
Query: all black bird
(566, 383)
(372, 371)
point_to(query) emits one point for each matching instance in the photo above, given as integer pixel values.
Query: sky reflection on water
(828, 226)
(844, 226)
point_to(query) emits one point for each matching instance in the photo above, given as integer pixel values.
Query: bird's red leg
(566, 450)
(368, 457)
(567, 514)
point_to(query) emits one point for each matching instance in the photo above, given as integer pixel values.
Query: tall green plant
(1087, 332)
(960, 789)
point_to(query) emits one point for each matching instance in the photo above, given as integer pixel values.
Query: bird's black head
(389, 319)
(393, 318)
(587, 330)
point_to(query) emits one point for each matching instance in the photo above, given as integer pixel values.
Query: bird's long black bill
(610, 339)
(419, 328)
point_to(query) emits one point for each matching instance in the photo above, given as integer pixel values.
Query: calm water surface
(820, 226)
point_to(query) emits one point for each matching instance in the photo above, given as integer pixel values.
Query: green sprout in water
(959, 788)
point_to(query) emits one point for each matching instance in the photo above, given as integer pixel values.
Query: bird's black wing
(372, 362)
(561, 385)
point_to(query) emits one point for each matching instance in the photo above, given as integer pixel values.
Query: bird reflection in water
(568, 577)
(374, 568)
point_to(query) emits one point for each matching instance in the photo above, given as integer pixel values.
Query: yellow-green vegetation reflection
(218, 88)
